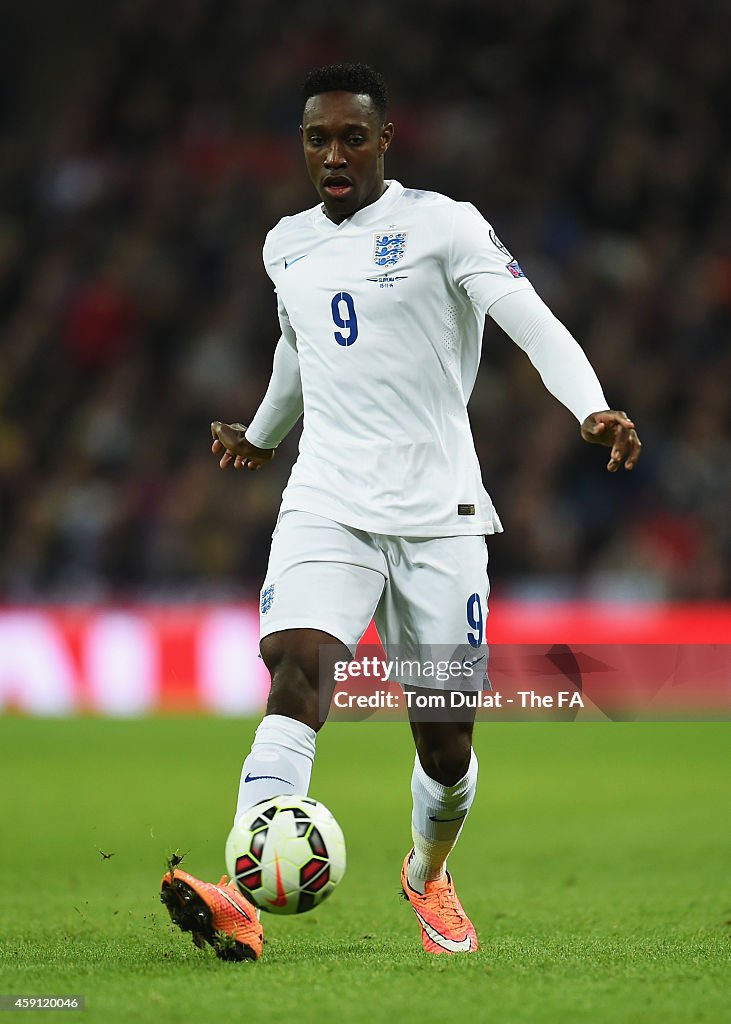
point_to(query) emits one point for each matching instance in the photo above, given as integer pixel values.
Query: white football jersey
(387, 311)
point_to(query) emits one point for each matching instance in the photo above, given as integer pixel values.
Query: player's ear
(386, 138)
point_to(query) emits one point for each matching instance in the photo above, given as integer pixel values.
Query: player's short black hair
(360, 79)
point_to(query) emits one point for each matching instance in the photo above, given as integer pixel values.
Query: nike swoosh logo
(451, 945)
(459, 817)
(292, 262)
(470, 664)
(233, 903)
(274, 778)
(281, 900)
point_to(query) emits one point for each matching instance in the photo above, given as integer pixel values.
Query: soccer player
(382, 293)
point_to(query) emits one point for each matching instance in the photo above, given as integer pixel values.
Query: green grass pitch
(595, 865)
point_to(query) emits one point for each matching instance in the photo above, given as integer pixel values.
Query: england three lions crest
(389, 247)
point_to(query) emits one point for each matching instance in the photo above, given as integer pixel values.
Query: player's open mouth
(337, 187)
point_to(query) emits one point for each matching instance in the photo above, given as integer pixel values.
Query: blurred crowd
(146, 146)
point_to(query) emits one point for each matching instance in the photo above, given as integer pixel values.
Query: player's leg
(323, 583)
(433, 610)
(443, 786)
(280, 761)
(283, 750)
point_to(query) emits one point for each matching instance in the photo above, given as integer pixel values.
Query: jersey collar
(370, 214)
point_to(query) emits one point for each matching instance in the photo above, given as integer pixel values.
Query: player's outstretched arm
(615, 430)
(567, 373)
(229, 442)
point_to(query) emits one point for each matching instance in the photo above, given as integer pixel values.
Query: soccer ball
(286, 855)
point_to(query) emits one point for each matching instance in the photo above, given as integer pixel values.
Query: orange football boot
(445, 928)
(216, 914)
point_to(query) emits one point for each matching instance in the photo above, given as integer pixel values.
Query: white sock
(436, 821)
(280, 761)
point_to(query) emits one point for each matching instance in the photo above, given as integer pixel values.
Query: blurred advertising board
(135, 659)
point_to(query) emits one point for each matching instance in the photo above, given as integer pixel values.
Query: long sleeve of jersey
(282, 404)
(555, 353)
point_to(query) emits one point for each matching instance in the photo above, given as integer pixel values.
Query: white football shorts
(428, 596)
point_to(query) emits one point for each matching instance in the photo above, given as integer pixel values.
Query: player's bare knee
(446, 762)
(294, 690)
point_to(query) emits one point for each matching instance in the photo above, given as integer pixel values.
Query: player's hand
(230, 443)
(615, 430)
